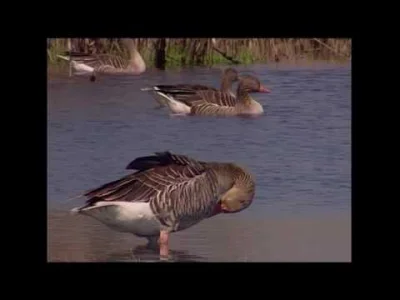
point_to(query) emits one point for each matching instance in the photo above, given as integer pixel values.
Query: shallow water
(299, 152)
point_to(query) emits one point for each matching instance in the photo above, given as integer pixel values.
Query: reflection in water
(299, 152)
(143, 254)
(222, 239)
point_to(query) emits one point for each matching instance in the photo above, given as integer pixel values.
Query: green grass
(177, 57)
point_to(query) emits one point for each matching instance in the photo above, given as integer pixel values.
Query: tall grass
(200, 52)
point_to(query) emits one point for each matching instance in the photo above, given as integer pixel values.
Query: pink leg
(164, 249)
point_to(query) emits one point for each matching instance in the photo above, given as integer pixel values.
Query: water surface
(299, 152)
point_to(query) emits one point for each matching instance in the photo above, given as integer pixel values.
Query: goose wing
(114, 61)
(101, 60)
(212, 109)
(156, 175)
(218, 97)
(201, 97)
(183, 88)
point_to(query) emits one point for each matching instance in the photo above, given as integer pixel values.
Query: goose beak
(263, 89)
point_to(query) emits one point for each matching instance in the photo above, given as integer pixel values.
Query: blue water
(299, 151)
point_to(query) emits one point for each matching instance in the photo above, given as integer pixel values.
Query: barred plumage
(209, 109)
(110, 63)
(203, 97)
(174, 190)
(107, 63)
(244, 105)
(184, 93)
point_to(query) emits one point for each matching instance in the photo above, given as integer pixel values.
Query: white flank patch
(82, 67)
(175, 106)
(132, 217)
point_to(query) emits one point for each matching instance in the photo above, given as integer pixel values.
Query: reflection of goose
(229, 76)
(168, 193)
(218, 103)
(108, 64)
(144, 254)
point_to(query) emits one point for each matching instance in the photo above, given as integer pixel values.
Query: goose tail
(160, 97)
(75, 210)
(80, 68)
(80, 209)
(63, 57)
(149, 89)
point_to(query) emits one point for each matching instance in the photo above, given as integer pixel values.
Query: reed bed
(208, 51)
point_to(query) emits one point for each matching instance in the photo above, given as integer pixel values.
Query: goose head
(231, 74)
(135, 58)
(239, 197)
(251, 84)
(236, 200)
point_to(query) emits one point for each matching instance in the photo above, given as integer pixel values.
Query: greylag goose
(245, 104)
(168, 193)
(229, 76)
(108, 64)
(216, 103)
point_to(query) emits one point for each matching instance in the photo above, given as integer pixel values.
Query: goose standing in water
(216, 103)
(108, 64)
(168, 193)
(229, 76)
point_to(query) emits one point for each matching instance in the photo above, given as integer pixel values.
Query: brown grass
(200, 52)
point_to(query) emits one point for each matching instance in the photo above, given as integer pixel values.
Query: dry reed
(203, 52)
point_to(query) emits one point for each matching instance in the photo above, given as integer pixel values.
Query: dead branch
(329, 47)
(226, 56)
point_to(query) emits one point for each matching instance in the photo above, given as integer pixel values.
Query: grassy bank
(209, 52)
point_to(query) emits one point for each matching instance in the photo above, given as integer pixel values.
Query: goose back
(192, 98)
(186, 92)
(109, 63)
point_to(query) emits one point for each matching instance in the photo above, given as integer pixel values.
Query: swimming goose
(245, 105)
(216, 102)
(108, 64)
(229, 76)
(168, 193)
